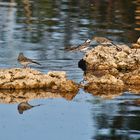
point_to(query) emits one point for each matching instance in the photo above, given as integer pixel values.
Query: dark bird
(23, 106)
(82, 47)
(25, 61)
(105, 41)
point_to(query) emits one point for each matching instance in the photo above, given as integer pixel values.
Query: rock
(136, 45)
(57, 74)
(17, 78)
(109, 81)
(135, 89)
(132, 78)
(109, 69)
(104, 57)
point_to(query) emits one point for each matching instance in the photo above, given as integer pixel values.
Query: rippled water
(42, 29)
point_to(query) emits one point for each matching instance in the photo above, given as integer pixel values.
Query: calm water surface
(41, 29)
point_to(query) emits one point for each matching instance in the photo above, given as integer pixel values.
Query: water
(41, 29)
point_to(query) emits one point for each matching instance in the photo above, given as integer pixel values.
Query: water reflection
(42, 29)
(18, 96)
(27, 11)
(118, 119)
(137, 15)
(7, 23)
(96, 17)
(23, 106)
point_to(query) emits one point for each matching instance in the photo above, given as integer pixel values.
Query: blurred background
(41, 29)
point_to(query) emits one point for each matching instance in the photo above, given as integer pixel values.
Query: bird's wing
(35, 62)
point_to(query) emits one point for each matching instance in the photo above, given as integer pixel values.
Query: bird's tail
(36, 63)
(38, 105)
(114, 44)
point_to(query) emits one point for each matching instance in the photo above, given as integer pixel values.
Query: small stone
(109, 69)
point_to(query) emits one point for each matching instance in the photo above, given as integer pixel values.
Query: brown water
(42, 29)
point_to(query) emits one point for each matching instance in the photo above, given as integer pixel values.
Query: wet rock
(17, 78)
(107, 81)
(104, 57)
(132, 78)
(109, 69)
(135, 89)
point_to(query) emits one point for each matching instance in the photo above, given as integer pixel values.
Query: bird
(25, 61)
(23, 106)
(82, 47)
(105, 41)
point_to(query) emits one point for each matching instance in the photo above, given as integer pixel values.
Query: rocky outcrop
(136, 45)
(18, 78)
(106, 68)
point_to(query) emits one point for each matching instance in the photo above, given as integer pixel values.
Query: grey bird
(82, 47)
(105, 41)
(23, 106)
(25, 61)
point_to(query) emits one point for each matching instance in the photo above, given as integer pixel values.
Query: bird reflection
(23, 106)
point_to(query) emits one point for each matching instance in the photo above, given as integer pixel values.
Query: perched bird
(25, 61)
(23, 106)
(105, 41)
(83, 47)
